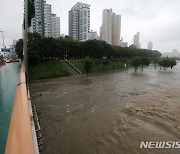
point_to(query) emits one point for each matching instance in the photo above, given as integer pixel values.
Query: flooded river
(110, 112)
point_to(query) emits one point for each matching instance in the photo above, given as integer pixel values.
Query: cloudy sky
(156, 20)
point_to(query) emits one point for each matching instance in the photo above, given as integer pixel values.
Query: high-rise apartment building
(38, 22)
(55, 26)
(92, 35)
(122, 43)
(106, 28)
(79, 21)
(111, 27)
(48, 20)
(150, 45)
(116, 25)
(175, 53)
(136, 40)
(45, 22)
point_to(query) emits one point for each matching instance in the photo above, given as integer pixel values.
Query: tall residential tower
(92, 35)
(48, 20)
(45, 22)
(38, 23)
(150, 45)
(111, 27)
(55, 26)
(79, 21)
(136, 40)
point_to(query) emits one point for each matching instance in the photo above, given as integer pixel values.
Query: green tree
(136, 62)
(34, 48)
(48, 48)
(87, 65)
(93, 48)
(172, 63)
(19, 48)
(167, 62)
(145, 62)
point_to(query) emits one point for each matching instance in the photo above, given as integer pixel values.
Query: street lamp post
(3, 37)
(65, 54)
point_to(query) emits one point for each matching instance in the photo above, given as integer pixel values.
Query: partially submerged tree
(87, 65)
(145, 62)
(167, 62)
(136, 62)
(172, 63)
(155, 62)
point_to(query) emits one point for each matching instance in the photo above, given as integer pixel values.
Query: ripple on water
(113, 112)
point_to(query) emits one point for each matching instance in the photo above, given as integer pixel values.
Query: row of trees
(162, 62)
(166, 63)
(136, 62)
(50, 48)
(140, 62)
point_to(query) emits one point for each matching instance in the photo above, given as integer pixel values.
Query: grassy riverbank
(48, 69)
(100, 64)
(54, 69)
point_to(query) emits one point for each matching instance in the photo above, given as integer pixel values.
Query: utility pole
(3, 37)
(25, 42)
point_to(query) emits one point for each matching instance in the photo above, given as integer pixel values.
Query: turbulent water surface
(109, 113)
(9, 74)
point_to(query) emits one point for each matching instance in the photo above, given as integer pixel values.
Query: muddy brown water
(109, 112)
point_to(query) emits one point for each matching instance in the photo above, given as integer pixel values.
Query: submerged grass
(100, 64)
(54, 68)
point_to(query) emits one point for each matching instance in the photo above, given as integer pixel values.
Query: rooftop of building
(80, 5)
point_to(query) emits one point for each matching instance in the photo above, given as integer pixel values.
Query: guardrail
(71, 67)
(22, 136)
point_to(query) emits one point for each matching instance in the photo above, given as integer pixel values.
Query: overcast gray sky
(156, 20)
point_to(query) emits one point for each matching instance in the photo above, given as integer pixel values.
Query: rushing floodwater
(9, 74)
(109, 113)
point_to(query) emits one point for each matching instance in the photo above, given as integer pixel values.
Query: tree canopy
(136, 62)
(167, 62)
(87, 64)
(51, 48)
